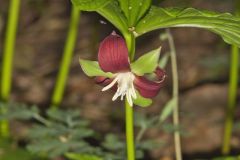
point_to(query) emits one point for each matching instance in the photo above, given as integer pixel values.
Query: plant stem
(67, 57)
(175, 95)
(130, 40)
(129, 131)
(8, 52)
(232, 92)
(232, 97)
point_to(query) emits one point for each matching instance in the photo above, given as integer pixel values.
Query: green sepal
(141, 101)
(146, 63)
(92, 68)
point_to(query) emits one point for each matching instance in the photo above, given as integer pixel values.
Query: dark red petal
(148, 88)
(113, 54)
(104, 81)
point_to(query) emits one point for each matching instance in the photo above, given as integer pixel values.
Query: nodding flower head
(113, 57)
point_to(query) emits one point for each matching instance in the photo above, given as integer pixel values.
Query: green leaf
(168, 109)
(141, 101)
(75, 156)
(225, 25)
(92, 68)
(113, 143)
(146, 63)
(134, 9)
(110, 9)
(113, 13)
(90, 5)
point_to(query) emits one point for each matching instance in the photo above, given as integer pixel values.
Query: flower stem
(129, 131)
(175, 95)
(232, 92)
(67, 58)
(8, 52)
(130, 40)
(232, 96)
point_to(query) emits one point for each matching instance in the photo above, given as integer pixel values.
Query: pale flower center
(125, 87)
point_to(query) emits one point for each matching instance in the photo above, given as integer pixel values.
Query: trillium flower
(114, 71)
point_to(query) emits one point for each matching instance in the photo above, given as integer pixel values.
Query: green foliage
(57, 133)
(18, 111)
(134, 10)
(113, 13)
(225, 25)
(64, 132)
(92, 68)
(75, 156)
(144, 123)
(90, 5)
(129, 15)
(10, 151)
(146, 63)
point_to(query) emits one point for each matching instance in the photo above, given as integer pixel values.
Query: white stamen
(110, 85)
(125, 87)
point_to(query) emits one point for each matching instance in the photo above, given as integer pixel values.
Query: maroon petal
(113, 54)
(104, 81)
(148, 88)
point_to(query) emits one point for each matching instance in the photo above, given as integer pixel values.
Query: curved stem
(130, 40)
(67, 58)
(232, 96)
(175, 95)
(9, 47)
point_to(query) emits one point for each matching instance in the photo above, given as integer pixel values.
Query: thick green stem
(67, 58)
(175, 95)
(129, 131)
(232, 92)
(130, 40)
(9, 47)
(232, 97)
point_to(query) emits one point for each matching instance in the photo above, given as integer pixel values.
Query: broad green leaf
(134, 9)
(225, 25)
(75, 156)
(112, 12)
(168, 109)
(90, 5)
(141, 101)
(146, 63)
(92, 68)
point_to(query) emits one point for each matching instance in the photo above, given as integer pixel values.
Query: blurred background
(203, 65)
